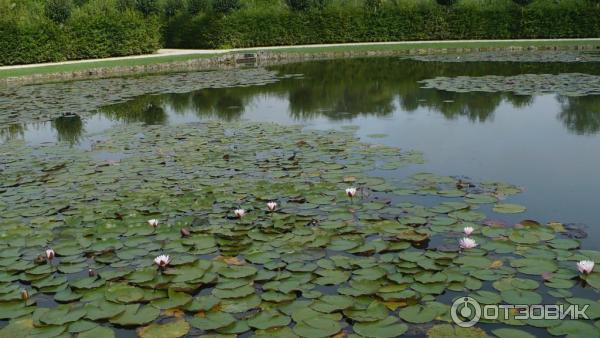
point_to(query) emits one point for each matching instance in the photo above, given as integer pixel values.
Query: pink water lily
(467, 243)
(153, 222)
(585, 266)
(272, 206)
(468, 230)
(50, 254)
(162, 261)
(351, 192)
(239, 213)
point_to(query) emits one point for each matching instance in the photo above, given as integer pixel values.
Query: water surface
(548, 144)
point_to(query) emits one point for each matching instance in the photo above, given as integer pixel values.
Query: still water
(548, 144)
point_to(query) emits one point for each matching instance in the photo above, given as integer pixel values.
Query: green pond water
(433, 145)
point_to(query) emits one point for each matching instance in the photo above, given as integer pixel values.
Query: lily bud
(184, 232)
(24, 294)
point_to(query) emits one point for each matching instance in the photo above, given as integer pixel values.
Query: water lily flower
(50, 254)
(585, 266)
(467, 243)
(162, 261)
(272, 205)
(468, 230)
(239, 213)
(351, 192)
(24, 294)
(153, 222)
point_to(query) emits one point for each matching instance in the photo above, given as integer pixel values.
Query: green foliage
(148, 7)
(375, 20)
(373, 5)
(58, 10)
(299, 5)
(102, 31)
(197, 6)
(446, 2)
(58, 30)
(172, 7)
(225, 6)
(522, 2)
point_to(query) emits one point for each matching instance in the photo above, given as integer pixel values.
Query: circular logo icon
(465, 312)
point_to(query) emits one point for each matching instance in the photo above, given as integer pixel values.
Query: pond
(425, 140)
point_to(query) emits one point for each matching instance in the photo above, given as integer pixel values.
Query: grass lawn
(49, 69)
(71, 67)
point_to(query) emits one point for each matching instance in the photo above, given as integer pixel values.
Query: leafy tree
(304, 5)
(123, 5)
(446, 2)
(198, 6)
(58, 10)
(173, 6)
(299, 5)
(522, 2)
(148, 7)
(225, 6)
(373, 5)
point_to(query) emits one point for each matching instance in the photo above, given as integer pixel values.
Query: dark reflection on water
(338, 90)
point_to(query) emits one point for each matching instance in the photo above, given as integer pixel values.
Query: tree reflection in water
(345, 89)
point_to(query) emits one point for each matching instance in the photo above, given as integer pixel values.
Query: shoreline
(173, 60)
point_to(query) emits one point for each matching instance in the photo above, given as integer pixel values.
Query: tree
(225, 6)
(148, 7)
(446, 2)
(58, 10)
(373, 6)
(173, 6)
(197, 6)
(304, 5)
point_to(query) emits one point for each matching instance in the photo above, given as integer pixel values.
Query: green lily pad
(135, 314)
(507, 208)
(384, 328)
(268, 319)
(174, 329)
(212, 321)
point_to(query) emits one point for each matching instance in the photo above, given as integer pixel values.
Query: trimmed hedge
(467, 19)
(95, 30)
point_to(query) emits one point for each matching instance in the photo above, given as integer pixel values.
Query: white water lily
(585, 266)
(351, 192)
(272, 205)
(467, 243)
(50, 254)
(468, 230)
(162, 261)
(239, 213)
(153, 222)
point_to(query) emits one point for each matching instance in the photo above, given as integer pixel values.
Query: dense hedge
(97, 29)
(56, 30)
(393, 21)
